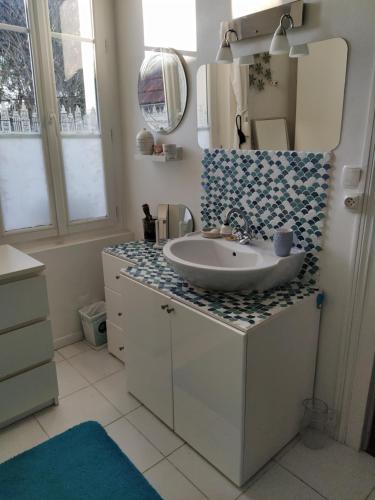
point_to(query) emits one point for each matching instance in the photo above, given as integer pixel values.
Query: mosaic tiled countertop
(241, 310)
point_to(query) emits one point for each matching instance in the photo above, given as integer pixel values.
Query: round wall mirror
(162, 90)
(174, 221)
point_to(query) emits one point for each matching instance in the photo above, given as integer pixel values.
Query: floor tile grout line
(190, 481)
(87, 380)
(257, 476)
(151, 466)
(147, 439)
(370, 493)
(61, 398)
(143, 434)
(93, 350)
(286, 449)
(110, 375)
(112, 422)
(41, 426)
(178, 448)
(74, 355)
(114, 406)
(95, 381)
(302, 480)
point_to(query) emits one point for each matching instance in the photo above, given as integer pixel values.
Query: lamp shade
(279, 43)
(224, 54)
(299, 50)
(246, 60)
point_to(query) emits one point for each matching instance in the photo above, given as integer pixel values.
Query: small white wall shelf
(159, 158)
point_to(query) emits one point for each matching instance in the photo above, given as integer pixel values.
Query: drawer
(25, 392)
(25, 348)
(111, 269)
(115, 307)
(23, 301)
(116, 341)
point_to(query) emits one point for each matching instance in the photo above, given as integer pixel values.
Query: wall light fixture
(224, 54)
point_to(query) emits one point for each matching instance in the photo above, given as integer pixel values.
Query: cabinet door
(208, 387)
(148, 348)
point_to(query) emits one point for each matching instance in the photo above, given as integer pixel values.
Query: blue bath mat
(83, 463)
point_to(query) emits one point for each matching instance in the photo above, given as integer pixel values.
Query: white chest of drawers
(28, 379)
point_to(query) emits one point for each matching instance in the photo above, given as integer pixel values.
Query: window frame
(41, 50)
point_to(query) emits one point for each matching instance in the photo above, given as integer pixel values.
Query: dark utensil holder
(149, 229)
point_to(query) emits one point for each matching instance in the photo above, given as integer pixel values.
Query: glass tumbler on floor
(314, 426)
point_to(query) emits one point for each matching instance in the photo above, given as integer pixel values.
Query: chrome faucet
(246, 235)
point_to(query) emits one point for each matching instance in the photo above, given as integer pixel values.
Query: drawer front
(23, 301)
(116, 341)
(27, 391)
(115, 307)
(25, 348)
(111, 269)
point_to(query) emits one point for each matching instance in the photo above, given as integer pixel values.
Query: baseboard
(67, 339)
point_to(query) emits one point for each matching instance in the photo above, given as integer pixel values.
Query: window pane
(244, 7)
(13, 12)
(72, 17)
(16, 83)
(84, 175)
(74, 63)
(170, 23)
(23, 184)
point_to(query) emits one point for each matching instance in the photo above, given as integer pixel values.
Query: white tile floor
(93, 387)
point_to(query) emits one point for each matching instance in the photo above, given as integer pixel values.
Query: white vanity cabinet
(235, 397)
(115, 304)
(28, 379)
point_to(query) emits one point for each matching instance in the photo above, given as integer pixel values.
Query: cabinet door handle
(119, 314)
(164, 306)
(170, 310)
(121, 348)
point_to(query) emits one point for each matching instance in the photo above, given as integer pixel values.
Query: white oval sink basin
(226, 265)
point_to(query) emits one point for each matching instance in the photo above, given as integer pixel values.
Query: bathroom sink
(226, 265)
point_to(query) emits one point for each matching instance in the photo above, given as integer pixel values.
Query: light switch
(351, 176)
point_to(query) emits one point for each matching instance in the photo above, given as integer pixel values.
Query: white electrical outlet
(352, 201)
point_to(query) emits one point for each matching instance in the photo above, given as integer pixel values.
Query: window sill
(71, 240)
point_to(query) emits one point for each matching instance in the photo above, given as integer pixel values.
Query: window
(54, 176)
(170, 23)
(23, 183)
(244, 7)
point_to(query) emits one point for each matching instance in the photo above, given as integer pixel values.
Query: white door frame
(357, 347)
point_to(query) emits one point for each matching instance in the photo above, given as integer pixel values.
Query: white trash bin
(94, 326)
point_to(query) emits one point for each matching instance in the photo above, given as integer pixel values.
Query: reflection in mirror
(174, 221)
(162, 90)
(277, 103)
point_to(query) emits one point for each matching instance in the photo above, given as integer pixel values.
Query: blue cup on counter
(283, 242)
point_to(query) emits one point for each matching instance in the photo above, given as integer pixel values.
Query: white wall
(180, 182)
(74, 278)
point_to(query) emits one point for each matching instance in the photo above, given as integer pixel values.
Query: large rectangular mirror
(275, 103)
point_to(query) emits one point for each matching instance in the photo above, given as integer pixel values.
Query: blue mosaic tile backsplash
(276, 188)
